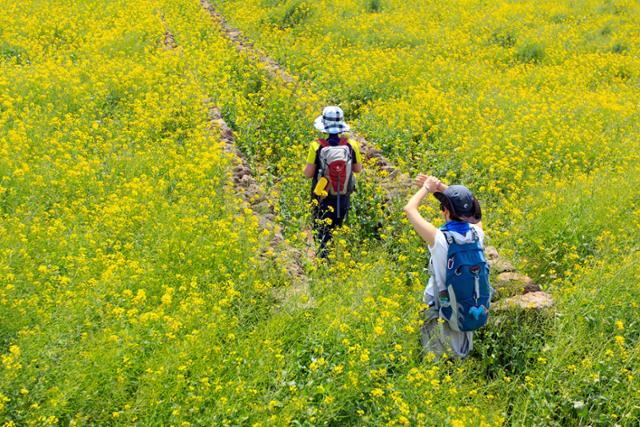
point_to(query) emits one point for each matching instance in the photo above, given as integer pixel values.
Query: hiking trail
(168, 40)
(374, 156)
(520, 290)
(254, 198)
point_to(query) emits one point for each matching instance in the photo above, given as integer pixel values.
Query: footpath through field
(385, 176)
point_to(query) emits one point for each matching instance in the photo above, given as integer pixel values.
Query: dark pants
(327, 208)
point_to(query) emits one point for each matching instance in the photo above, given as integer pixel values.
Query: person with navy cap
(462, 213)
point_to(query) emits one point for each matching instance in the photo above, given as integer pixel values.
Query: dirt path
(168, 40)
(254, 197)
(393, 183)
(243, 44)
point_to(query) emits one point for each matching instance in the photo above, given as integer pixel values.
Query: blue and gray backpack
(466, 307)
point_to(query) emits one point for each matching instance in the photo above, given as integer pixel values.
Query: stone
(513, 277)
(491, 253)
(500, 265)
(262, 206)
(531, 301)
(508, 284)
(246, 181)
(169, 41)
(240, 170)
(531, 287)
(496, 263)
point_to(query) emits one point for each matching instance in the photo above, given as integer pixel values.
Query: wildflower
(273, 404)
(167, 297)
(377, 392)
(317, 364)
(11, 360)
(3, 400)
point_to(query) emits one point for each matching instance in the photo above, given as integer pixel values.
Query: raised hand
(420, 179)
(432, 184)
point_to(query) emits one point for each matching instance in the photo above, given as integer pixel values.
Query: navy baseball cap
(460, 201)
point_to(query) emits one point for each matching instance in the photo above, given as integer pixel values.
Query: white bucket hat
(331, 121)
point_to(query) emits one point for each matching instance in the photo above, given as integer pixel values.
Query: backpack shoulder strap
(344, 141)
(447, 236)
(323, 143)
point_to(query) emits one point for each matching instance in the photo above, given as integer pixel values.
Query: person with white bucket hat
(331, 163)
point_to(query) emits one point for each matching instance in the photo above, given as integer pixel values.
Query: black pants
(325, 210)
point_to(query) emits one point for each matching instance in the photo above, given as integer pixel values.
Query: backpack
(335, 164)
(467, 283)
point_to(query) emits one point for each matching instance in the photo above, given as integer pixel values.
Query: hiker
(331, 162)
(458, 291)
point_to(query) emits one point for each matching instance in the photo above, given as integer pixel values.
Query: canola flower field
(137, 289)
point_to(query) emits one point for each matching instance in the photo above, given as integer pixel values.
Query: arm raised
(424, 228)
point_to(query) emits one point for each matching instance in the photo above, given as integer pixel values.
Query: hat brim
(337, 127)
(318, 124)
(442, 198)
